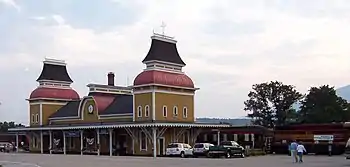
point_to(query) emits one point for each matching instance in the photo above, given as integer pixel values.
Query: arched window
(33, 118)
(165, 111)
(175, 111)
(139, 111)
(146, 110)
(37, 118)
(184, 112)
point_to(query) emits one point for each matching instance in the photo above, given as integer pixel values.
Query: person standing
(293, 150)
(300, 151)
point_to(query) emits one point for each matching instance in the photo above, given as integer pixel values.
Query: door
(161, 146)
(122, 144)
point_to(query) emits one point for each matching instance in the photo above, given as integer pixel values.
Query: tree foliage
(322, 105)
(271, 103)
(4, 126)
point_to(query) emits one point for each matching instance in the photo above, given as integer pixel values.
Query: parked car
(201, 149)
(179, 149)
(227, 149)
(6, 147)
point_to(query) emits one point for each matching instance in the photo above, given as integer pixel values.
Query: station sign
(323, 137)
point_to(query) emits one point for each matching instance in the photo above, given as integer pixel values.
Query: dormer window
(175, 111)
(139, 111)
(147, 111)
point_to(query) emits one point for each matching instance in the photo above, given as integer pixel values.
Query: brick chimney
(110, 77)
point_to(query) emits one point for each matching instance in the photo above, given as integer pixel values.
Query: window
(205, 137)
(184, 112)
(165, 111)
(147, 111)
(224, 136)
(235, 137)
(37, 118)
(71, 142)
(33, 118)
(246, 137)
(34, 142)
(139, 111)
(215, 137)
(143, 141)
(175, 112)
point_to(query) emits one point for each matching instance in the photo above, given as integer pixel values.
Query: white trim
(33, 119)
(54, 81)
(133, 108)
(183, 112)
(153, 105)
(126, 125)
(162, 85)
(109, 89)
(163, 91)
(175, 111)
(140, 138)
(147, 111)
(164, 38)
(37, 117)
(53, 99)
(164, 149)
(115, 115)
(166, 111)
(163, 62)
(54, 85)
(47, 103)
(54, 62)
(70, 118)
(163, 70)
(64, 119)
(139, 111)
(41, 113)
(120, 117)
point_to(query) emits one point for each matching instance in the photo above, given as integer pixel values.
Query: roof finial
(163, 28)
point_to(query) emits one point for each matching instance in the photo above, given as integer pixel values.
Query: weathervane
(163, 28)
(162, 35)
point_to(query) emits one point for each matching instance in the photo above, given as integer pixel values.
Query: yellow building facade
(141, 119)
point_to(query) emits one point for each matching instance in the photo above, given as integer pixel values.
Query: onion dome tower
(163, 92)
(53, 92)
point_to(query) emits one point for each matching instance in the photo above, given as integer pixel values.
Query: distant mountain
(344, 92)
(232, 121)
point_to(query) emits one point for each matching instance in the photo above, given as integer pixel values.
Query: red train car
(317, 138)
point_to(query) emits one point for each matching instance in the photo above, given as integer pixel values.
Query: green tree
(322, 105)
(271, 103)
(4, 126)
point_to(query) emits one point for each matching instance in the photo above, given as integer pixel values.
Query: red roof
(163, 78)
(102, 102)
(55, 93)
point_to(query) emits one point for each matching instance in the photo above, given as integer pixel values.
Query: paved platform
(38, 160)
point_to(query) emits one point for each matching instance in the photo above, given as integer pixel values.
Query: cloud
(11, 3)
(227, 45)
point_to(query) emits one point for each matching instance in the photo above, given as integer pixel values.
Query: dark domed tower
(163, 92)
(53, 92)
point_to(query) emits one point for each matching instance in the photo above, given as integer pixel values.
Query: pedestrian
(293, 150)
(300, 151)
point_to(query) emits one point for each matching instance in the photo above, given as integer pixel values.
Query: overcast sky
(227, 45)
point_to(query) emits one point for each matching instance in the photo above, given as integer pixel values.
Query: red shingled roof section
(103, 102)
(56, 93)
(164, 78)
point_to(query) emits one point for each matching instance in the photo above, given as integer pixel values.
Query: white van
(347, 149)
